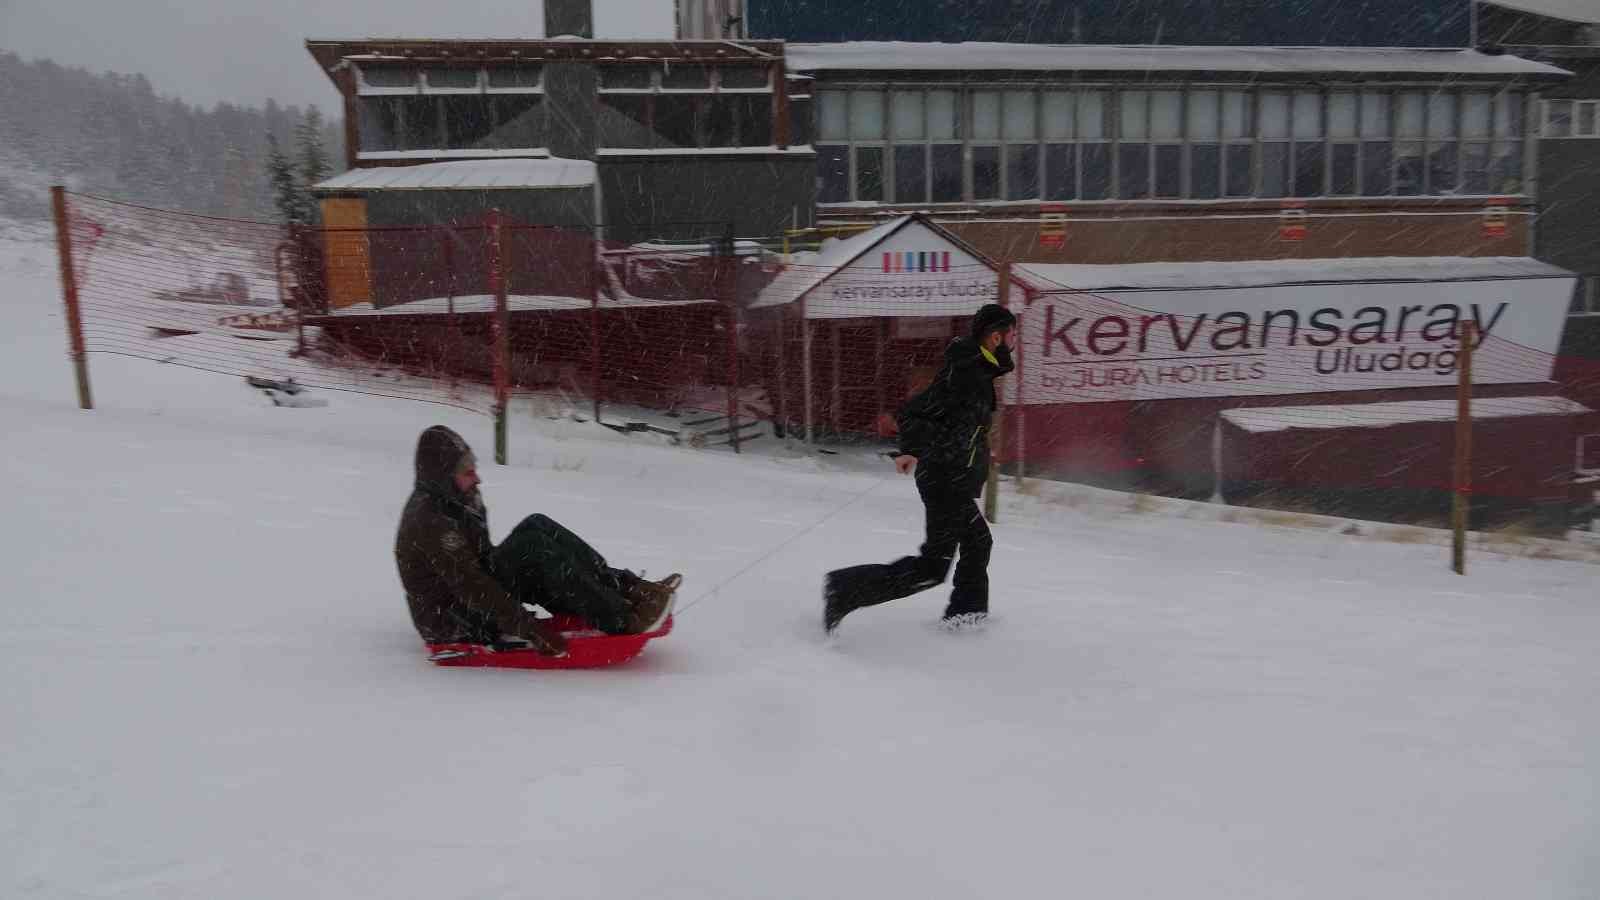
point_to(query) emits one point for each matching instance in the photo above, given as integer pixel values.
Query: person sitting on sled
(460, 587)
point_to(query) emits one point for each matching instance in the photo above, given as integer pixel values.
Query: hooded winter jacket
(946, 427)
(443, 552)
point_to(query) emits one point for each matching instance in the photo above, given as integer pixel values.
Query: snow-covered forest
(112, 134)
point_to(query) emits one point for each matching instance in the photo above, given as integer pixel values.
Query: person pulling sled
(944, 436)
(461, 587)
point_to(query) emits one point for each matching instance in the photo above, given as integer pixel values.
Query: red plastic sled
(586, 649)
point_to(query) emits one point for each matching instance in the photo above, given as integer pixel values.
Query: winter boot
(650, 602)
(834, 604)
(967, 621)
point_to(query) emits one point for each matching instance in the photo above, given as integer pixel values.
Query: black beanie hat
(993, 317)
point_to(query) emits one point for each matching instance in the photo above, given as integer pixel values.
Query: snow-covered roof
(808, 268)
(484, 303)
(773, 150)
(980, 56)
(1378, 415)
(1586, 11)
(1053, 277)
(463, 175)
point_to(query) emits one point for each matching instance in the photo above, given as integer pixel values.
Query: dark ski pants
(954, 524)
(542, 562)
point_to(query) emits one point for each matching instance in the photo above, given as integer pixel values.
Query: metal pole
(1463, 465)
(835, 396)
(805, 351)
(69, 295)
(729, 270)
(880, 325)
(594, 326)
(500, 327)
(991, 488)
(1019, 449)
(783, 379)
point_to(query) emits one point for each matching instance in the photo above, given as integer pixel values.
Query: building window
(1344, 150)
(1238, 135)
(1586, 296)
(1058, 112)
(380, 77)
(1557, 119)
(833, 173)
(869, 173)
(1273, 129)
(686, 107)
(1133, 145)
(985, 149)
(744, 78)
(515, 78)
(911, 173)
(1094, 145)
(1309, 164)
(1203, 128)
(866, 130)
(1571, 119)
(1054, 143)
(519, 121)
(945, 151)
(685, 78)
(1377, 144)
(1443, 164)
(1505, 162)
(465, 122)
(1019, 128)
(946, 178)
(445, 78)
(1410, 132)
(449, 108)
(400, 123)
(908, 127)
(624, 121)
(802, 125)
(1166, 136)
(675, 119)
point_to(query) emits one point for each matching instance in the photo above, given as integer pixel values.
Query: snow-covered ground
(211, 688)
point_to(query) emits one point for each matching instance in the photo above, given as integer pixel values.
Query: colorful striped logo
(898, 262)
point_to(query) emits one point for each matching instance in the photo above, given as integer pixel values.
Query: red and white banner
(1291, 339)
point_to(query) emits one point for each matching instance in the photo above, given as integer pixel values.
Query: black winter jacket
(946, 427)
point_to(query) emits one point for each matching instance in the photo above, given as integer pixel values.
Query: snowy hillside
(212, 689)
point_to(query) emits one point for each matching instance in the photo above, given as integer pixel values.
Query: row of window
(391, 78)
(1571, 119)
(638, 77)
(674, 121)
(459, 122)
(953, 173)
(385, 78)
(519, 121)
(871, 114)
(948, 145)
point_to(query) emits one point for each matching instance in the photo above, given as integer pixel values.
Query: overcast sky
(244, 51)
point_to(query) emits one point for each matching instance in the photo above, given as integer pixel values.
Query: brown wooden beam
(781, 125)
(345, 79)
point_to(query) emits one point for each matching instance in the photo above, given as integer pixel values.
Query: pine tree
(285, 192)
(314, 166)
